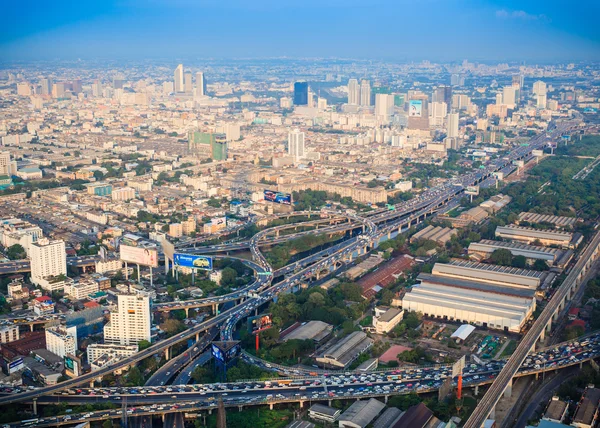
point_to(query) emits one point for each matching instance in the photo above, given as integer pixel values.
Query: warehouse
(556, 220)
(316, 331)
(545, 237)
(553, 256)
(478, 303)
(490, 274)
(440, 235)
(361, 413)
(345, 351)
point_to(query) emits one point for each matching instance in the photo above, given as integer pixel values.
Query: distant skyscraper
(365, 93)
(443, 94)
(457, 80)
(118, 83)
(509, 96)
(131, 322)
(540, 91)
(178, 78)
(200, 84)
(453, 125)
(97, 88)
(7, 167)
(301, 93)
(353, 92)
(296, 144)
(418, 111)
(77, 87)
(438, 112)
(46, 86)
(384, 106)
(187, 83)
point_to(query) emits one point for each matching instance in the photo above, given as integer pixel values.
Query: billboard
(219, 220)
(15, 365)
(458, 367)
(73, 364)
(278, 197)
(537, 153)
(472, 190)
(193, 261)
(224, 352)
(259, 323)
(415, 108)
(140, 256)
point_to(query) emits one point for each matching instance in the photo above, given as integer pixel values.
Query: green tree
(16, 252)
(228, 276)
(316, 299)
(172, 327)
(143, 344)
(134, 377)
(519, 262)
(502, 257)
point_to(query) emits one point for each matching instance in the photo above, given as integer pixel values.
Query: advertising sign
(472, 190)
(217, 353)
(224, 352)
(458, 367)
(15, 365)
(73, 364)
(259, 323)
(140, 256)
(278, 197)
(415, 108)
(537, 153)
(193, 261)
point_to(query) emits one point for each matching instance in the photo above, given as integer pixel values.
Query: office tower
(509, 96)
(24, 89)
(353, 92)
(518, 80)
(443, 94)
(97, 88)
(46, 86)
(285, 102)
(453, 125)
(76, 86)
(232, 131)
(58, 90)
(187, 83)
(219, 147)
(118, 83)
(48, 259)
(7, 167)
(321, 103)
(499, 98)
(168, 88)
(178, 78)
(438, 112)
(540, 91)
(131, 322)
(457, 80)
(200, 84)
(61, 341)
(301, 93)
(384, 106)
(365, 93)
(296, 144)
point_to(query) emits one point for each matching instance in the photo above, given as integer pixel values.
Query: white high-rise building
(296, 144)
(61, 341)
(45, 86)
(178, 79)
(353, 92)
(97, 88)
(540, 91)
(7, 167)
(453, 125)
(365, 93)
(437, 112)
(187, 83)
(384, 106)
(131, 322)
(509, 96)
(200, 84)
(48, 259)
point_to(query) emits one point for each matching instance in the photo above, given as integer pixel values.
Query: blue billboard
(278, 197)
(193, 261)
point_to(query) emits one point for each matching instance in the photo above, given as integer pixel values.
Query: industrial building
(440, 235)
(418, 416)
(556, 410)
(345, 351)
(495, 203)
(321, 412)
(490, 274)
(528, 235)
(386, 319)
(556, 220)
(388, 418)
(316, 331)
(553, 256)
(361, 413)
(586, 414)
(488, 305)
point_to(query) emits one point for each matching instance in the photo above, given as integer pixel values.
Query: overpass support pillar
(187, 312)
(580, 365)
(35, 412)
(31, 327)
(210, 411)
(167, 353)
(215, 309)
(240, 408)
(476, 391)
(385, 398)
(197, 336)
(508, 390)
(329, 402)
(543, 335)
(549, 326)
(493, 413)
(270, 406)
(301, 404)
(163, 418)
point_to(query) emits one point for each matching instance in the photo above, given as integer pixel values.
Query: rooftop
(361, 413)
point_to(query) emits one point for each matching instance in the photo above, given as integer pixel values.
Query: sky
(438, 30)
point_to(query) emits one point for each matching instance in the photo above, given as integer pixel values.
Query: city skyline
(478, 30)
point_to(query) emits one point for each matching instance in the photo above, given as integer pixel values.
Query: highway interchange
(378, 225)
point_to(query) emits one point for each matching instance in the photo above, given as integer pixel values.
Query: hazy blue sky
(416, 29)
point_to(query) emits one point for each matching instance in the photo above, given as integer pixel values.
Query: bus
(29, 422)
(284, 382)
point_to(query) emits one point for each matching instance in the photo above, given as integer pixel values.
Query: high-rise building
(540, 92)
(97, 88)
(365, 93)
(296, 144)
(178, 78)
(301, 93)
(384, 106)
(457, 80)
(118, 83)
(453, 125)
(188, 87)
(131, 322)
(418, 111)
(208, 145)
(518, 80)
(353, 92)
(45, 86)
(443, 94)
(438, 112)
(58, 90)
(61, 341)
(200, 84)
(509, 96)
(76, 86)
(219, 149)
(48, 259)
(7, 167)
(24, 89)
